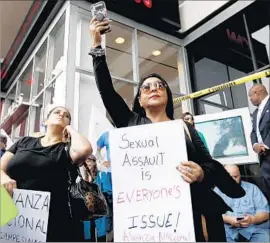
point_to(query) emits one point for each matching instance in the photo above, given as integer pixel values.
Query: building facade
(205, 43)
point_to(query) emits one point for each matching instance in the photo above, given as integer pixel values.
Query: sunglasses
(146, 88)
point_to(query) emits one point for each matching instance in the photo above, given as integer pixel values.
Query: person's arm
(6, 181)
(260, 217)
(261, 206)
(114, 103)
(214, 172)
(231, 220)
(253, 134)
(80, 147)
(257, 147)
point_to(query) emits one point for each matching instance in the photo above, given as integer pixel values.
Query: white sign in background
(32, 222)
(151, 200)
(97, 126)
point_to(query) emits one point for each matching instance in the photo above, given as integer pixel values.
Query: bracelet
(97, 52)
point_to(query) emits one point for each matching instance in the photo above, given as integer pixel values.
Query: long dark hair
(140, 110)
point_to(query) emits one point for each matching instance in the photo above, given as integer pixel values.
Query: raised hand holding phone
(100, 17)
(99, 11)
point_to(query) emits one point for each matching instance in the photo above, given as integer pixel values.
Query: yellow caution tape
(229, 84)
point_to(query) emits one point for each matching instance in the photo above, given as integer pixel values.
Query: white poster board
(227, 136)
(151, 201)
(32, 222)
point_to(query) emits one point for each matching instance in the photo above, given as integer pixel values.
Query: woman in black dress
(41, 164)
(154, 103)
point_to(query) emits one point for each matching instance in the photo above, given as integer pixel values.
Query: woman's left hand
(191, 172)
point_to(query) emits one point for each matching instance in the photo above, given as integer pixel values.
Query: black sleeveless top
(39, 168)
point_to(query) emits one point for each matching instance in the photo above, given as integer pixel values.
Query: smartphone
(99, 11)
(239, 218)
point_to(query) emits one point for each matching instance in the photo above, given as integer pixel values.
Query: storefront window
(227, 53)
(20, 129)
(35, 119)
(126, 91)
(259, 26)
(56, 91)
(210, 73)
(158, 56)
(10, 99)
(56, 49)
(39, 70)
(84, 60)
(220, 56)
(239, 92)
(26, 82)
(88, 97)
(50, 94)
(262, 36)
(178, 111)
(207, 108)
(260, 33)
(119, 51)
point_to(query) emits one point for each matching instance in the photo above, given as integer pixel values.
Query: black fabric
(39, 168)
(215, 228)
(204, 199)
(264, 126)
(265, 175)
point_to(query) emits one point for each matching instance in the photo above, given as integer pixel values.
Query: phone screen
(239, 218)
(99, 10)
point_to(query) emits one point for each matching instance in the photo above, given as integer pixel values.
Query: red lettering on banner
(147, 3)
(149, 195)
(238, 39)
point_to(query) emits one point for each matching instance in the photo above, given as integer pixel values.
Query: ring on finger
(188, 169)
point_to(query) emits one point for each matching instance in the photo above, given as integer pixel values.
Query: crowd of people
(225, 208)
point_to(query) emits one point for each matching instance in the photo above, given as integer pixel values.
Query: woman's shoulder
(23, 143)
(27, 140)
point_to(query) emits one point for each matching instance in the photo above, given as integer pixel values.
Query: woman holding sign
(41, 164)
(154, 103)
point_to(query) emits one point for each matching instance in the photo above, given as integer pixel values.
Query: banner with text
(151, 200)
(31, 223)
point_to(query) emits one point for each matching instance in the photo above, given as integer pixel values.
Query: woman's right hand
(234, 222)
(95, 30)
(9, 184)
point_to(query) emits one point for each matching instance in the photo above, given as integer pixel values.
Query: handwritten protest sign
(151, 200)
(31, 223)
